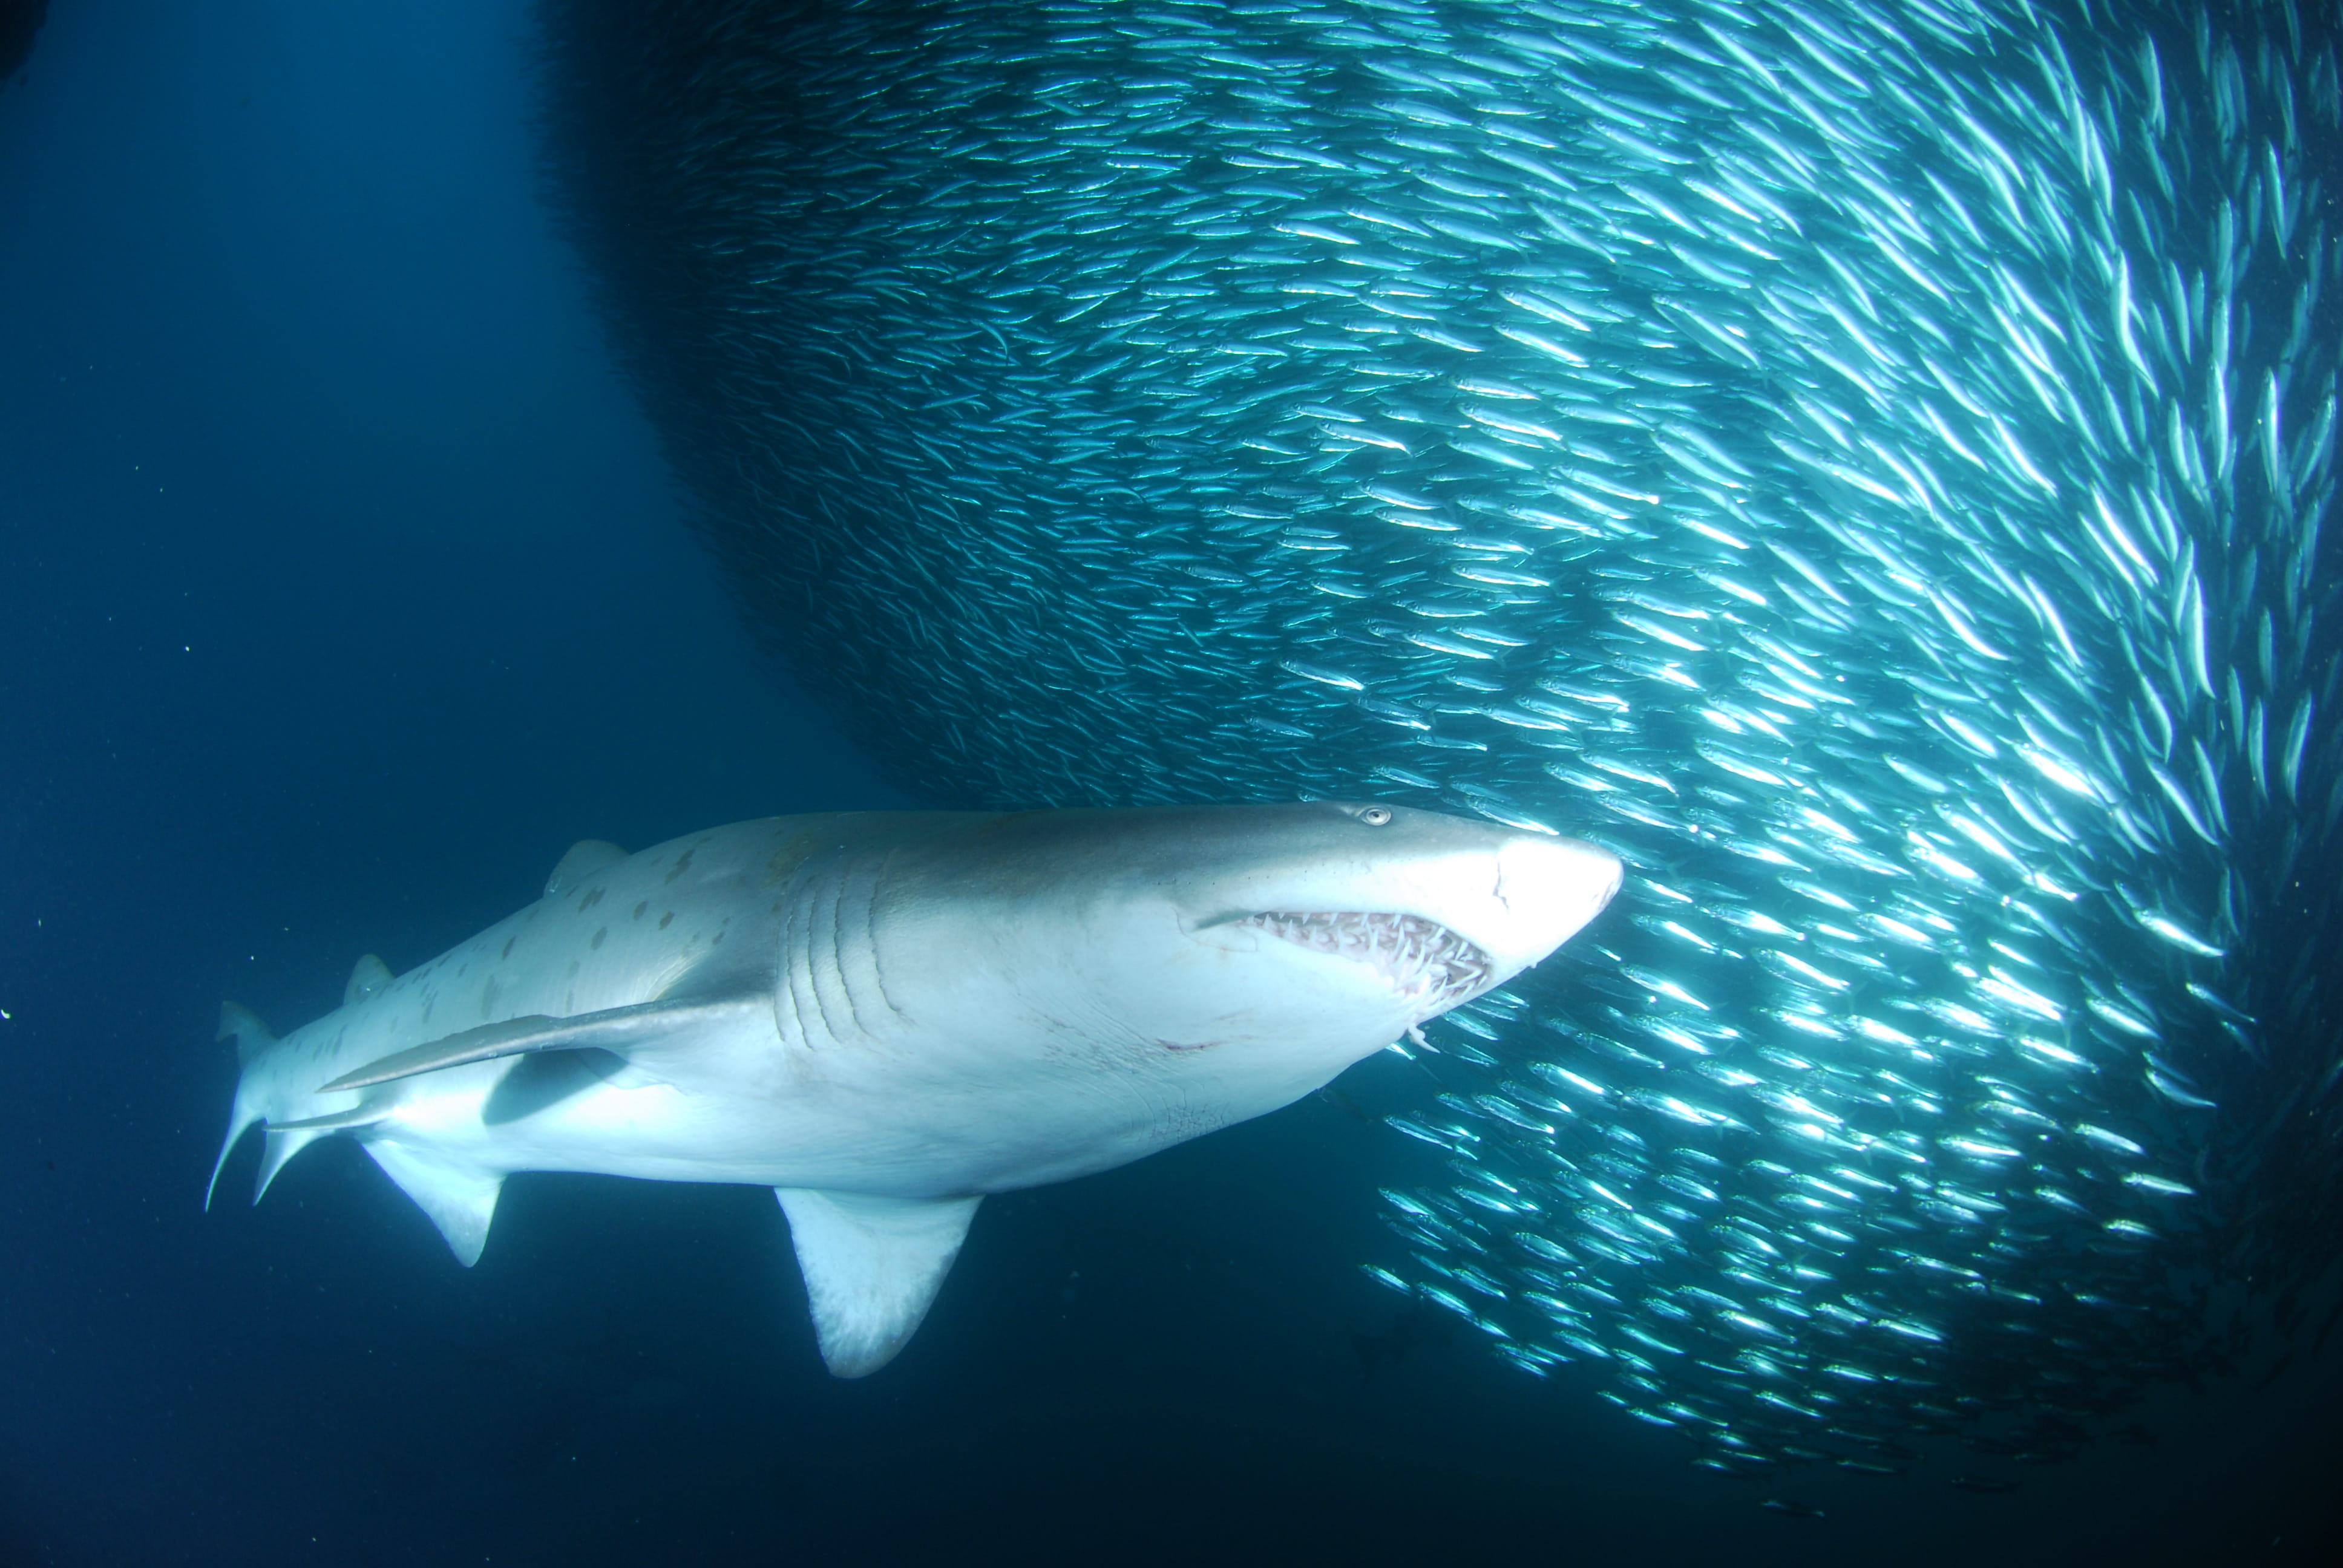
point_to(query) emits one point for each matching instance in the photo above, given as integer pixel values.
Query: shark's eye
(1375, 816)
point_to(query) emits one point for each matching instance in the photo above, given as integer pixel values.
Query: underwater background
(349, 583)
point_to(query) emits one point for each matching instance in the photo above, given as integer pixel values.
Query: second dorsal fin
(584, 858)
(370, 976)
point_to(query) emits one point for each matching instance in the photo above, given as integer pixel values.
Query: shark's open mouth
(1426, 962)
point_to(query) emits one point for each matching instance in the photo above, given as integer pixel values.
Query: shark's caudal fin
(460, 1202)
(871, 1267)
(252, 1037)
(241, 1024)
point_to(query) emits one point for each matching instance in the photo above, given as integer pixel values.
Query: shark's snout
(1547, 890)
(1440, 920)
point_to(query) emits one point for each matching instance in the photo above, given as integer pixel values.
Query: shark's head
(1248, 952)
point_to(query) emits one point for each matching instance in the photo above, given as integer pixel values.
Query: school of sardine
(1863, 463)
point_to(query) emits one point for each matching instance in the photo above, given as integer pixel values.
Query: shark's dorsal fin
(460, 1202)
(581, 860)
(370, 976)
(624, 1031)
(241, 1024)
(871, 1267)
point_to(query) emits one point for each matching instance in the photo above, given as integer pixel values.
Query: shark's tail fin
(240, 1024)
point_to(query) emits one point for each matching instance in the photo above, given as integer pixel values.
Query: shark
(886, 1016)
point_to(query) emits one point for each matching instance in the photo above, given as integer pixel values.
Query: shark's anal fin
(370, 975)
(278, 1147)
(582, 859)
(621, 1031)
(459, 1201)
(871, 1267)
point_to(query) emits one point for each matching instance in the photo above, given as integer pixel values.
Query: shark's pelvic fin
(624, 1031)
(871, 1267)
(239, 1023)
(545, 1079)
(370, 976)
(583, 858)
(460, 1202)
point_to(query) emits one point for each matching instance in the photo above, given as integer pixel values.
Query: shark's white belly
(853, 1128)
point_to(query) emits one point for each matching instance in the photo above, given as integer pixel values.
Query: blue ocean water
(345, 589)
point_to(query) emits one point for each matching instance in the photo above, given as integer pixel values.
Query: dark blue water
(344, 588)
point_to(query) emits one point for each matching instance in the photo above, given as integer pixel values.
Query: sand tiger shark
(885, 1016)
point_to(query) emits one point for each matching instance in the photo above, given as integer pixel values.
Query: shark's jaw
(1429, 968)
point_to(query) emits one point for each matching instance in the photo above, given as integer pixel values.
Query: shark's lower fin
(281, 1144)
(241, 1024)
(872, 1267)
(239, 1123)
(460, 1202)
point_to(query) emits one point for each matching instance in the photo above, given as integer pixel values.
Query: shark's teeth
(1426, 962)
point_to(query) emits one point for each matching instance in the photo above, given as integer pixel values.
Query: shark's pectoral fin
(629, 1032)
(459, 1201)
(871, 1267)
(334, 1122)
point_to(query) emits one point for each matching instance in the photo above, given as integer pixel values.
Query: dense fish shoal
(1867, 466)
